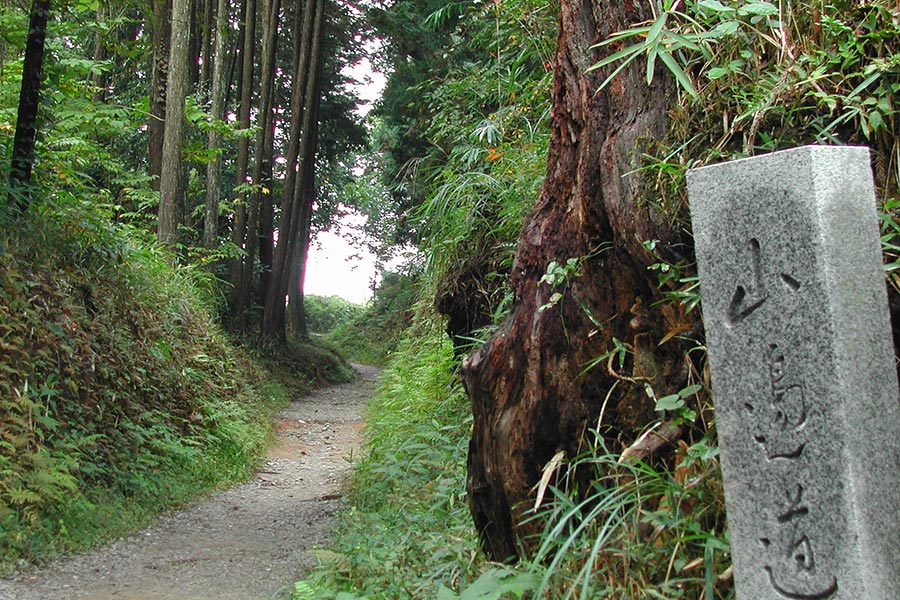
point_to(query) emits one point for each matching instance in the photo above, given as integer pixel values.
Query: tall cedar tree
(158, 79)
(301, 146)
(264, 152)
(171, 184)
(245, 83)
(530, 395)
(29, 100)
(214, 139)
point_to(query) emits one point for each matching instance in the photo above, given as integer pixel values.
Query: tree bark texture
(214, 139)
(22, 160)
(239, 225)
(171, 184)
(306, 185)
(262, 167)
(158, 81)
(273, 325)
(531, 396)
(301, 148)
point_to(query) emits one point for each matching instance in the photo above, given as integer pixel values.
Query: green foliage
(781, 75)
(464, 134)
(373, 334)
(489, 139)
(493, 584)
(639, 531)
(407, 532)
(325, 314)
(118, 395)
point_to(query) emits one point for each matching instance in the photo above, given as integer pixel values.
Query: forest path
(250, 542)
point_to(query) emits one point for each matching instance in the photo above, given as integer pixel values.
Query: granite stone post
(803, 374)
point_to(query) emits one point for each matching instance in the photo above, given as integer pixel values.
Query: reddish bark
(530, 396)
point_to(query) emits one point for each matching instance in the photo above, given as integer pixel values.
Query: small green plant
(638, 532)
(494, 584)
(890, 241)
(558, 275)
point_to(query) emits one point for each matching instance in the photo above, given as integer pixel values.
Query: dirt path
(248, 543)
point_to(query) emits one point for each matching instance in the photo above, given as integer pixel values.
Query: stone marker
(803, 373)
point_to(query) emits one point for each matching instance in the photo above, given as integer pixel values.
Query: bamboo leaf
(655, 30)
(632, 50)
(651, 62)
(680, 76)
(621, 35)
(682, 41)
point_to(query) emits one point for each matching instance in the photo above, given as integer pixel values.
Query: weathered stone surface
(805, 389)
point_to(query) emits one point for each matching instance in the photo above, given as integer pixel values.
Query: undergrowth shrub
(325, 313)
(639, 531)
(375, 333)
(118, 394)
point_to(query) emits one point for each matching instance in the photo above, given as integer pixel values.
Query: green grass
(407, 532)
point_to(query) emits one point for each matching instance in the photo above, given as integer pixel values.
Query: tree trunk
(303, 20)
(306, 186)
(22, 162)
(171, 186)
(530, 395)
(239, 226)
(262, 167)
(158, 81)
(99, 78)
(214, 140)
(209, 28)
(296, 313)
(303, 91)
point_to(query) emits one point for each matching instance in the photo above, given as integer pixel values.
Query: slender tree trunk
(304, 196)
(210, 14)
(302, 98)
(239, 226)
(195, 42)
(273, 317)
(214, 142)
(296, 315)
(171, 186)
(262, 167)
(302, 27)
(22, 162)
(530, 395)
(99, 78)
(158, 81)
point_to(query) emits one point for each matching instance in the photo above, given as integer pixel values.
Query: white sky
(331, 269)
(335, 268)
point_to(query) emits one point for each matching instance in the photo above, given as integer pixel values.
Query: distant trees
(191, 99)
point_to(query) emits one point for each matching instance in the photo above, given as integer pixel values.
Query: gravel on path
(250, 542)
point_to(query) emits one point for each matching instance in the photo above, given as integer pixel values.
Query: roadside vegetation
(747, 77)
(406, 532)
(368, 334)
(121, 397)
